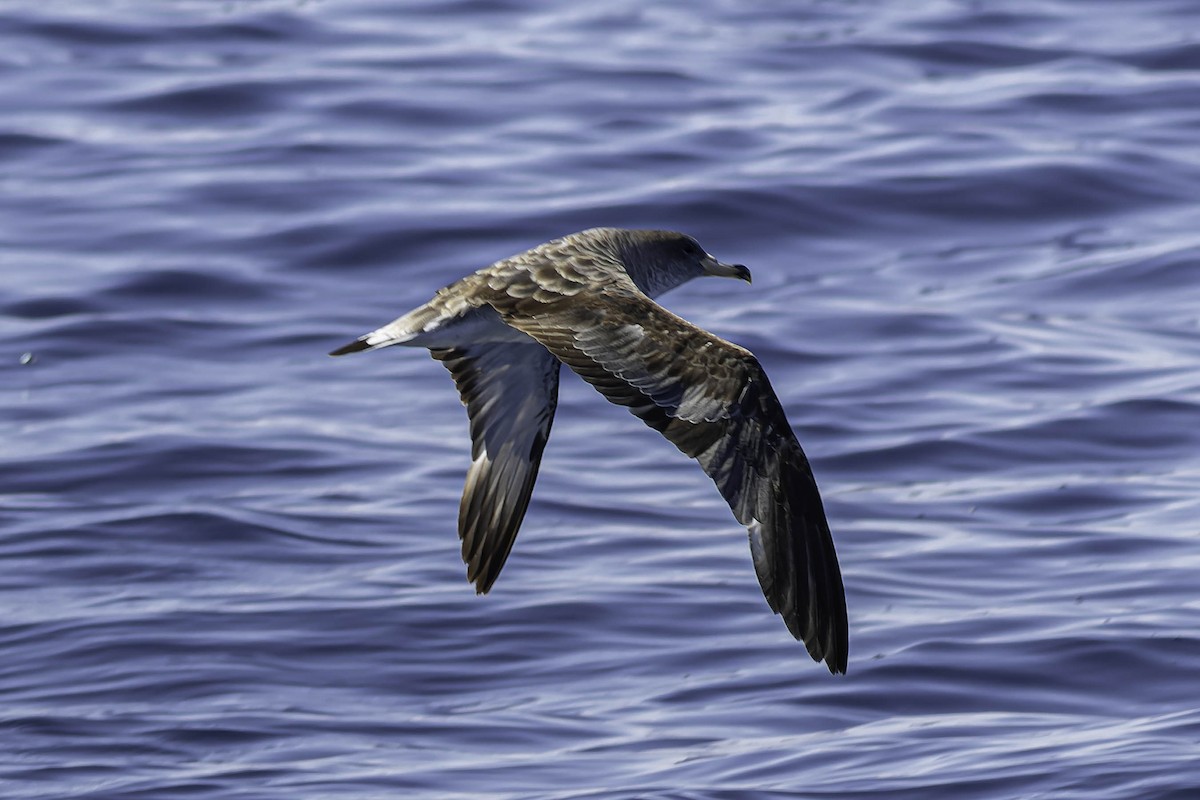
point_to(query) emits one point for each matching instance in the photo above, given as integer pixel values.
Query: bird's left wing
(510, 391)
(713, 401)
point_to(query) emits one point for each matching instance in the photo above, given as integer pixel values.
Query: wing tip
(483, 582)
(835, 636)
(828, 643)
(831, 641)
(836, 661)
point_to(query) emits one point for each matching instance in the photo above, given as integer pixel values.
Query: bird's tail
(400, 331)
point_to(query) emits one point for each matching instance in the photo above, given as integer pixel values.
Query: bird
(586, 300)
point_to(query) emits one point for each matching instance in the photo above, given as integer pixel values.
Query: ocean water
(229, 565)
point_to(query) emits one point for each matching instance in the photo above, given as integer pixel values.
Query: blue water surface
(230, 567)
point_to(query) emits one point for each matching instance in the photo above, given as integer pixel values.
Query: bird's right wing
(510, 391)
(713, 401)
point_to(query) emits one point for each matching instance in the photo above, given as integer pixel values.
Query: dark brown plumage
(585, 301)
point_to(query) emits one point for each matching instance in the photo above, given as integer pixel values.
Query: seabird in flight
(585, 300)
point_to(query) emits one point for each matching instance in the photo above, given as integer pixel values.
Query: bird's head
(661, 260)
